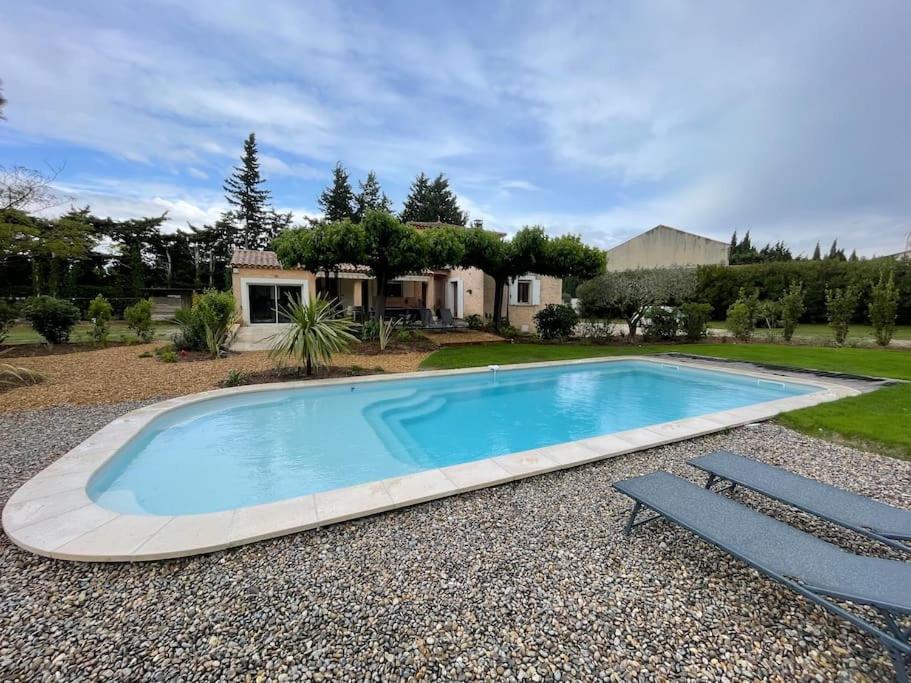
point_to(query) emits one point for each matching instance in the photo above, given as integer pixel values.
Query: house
(663, 247)
(260, 282)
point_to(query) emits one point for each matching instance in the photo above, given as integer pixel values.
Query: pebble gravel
(527, 581)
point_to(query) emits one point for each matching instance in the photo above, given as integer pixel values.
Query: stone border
(51, 514)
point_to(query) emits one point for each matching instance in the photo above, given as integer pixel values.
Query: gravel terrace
(531, 580)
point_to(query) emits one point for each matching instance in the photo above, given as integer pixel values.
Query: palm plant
(315, 332)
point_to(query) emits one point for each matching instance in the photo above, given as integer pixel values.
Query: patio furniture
(884, 523)
(427, 321)
(807, 565)
(446, 318)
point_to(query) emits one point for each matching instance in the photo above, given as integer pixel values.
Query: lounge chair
(446, 318)
(809, 566)
(427, 321)
(873, 519)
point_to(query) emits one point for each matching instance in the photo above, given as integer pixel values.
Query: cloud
(789, 120)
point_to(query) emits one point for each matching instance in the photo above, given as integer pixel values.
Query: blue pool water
(260, 447)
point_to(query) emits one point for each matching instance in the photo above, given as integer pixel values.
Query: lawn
(82, 332)
(878, 421)
(821, 331)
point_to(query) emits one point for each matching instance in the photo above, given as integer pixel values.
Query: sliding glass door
(267, 302)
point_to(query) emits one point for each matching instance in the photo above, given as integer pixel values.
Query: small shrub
(317, 331)
(370, 330)
(235, 378)
(594, 331)
(406, 336)
(740, 322)
(139, 319)
(769, 313)
(509, 332)
(146, 354)
(8, 315)
(694, 319)
(52, 318)
(100, 312)
(168, 356)
(792, 307)
(883, 308)
(661, 322)
(206, 325)
(840, 306)
(556, 321)
(384, 331)
(475, 322)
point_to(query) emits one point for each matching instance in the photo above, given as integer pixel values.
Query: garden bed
(275, 375)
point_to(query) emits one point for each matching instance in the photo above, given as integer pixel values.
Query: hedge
(719, 285)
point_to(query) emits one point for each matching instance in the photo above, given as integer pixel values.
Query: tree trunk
(633, 324)
(499, 284)
(380, 301)
(309, 366)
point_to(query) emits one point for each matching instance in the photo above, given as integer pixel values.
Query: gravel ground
(531, 580)
(117, 374)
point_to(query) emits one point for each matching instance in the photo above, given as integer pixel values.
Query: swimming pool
(253, 448)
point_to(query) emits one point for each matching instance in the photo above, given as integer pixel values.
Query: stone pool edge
(51, 514)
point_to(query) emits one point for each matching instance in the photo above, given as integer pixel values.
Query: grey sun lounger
(873, 519)
(809, 566)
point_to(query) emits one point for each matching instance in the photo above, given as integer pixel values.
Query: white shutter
(513, 292)
(536, 292)
(459, 307)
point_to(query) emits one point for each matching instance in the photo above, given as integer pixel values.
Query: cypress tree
(371, 198)
(337, 201)
(244, 193)
(817, 254)
(432, 201)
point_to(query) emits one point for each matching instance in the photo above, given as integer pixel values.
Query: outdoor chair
(809, 566)
(446, 318)
(884, 523)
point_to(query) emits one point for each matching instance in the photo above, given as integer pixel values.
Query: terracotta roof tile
(253, 258)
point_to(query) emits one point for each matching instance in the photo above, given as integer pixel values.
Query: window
(523, 292)
(394, 289)
(267, 302)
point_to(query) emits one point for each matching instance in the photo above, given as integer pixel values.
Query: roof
(254, 258)
(668, 227)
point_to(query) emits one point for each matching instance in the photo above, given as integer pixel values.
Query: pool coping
(51, 514)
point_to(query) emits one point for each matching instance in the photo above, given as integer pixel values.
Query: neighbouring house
(259, 282)
(663, 247)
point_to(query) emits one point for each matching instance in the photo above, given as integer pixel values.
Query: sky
(790, 119)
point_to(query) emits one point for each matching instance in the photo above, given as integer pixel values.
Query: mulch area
(31, 350)
(455, 337)
(115, 374)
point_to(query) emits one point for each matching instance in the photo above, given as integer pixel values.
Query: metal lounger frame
(894, 638)
(898, 543)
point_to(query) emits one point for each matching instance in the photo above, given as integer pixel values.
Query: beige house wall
(521, 316)
(664, 247)
(266, 274)
(472, 290)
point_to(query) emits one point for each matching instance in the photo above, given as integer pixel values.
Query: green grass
(82, 332)
(821, 331)
(879, 421)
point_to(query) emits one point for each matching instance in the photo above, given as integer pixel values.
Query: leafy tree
(430, 201)
(28, 190)
(18, 232)
(883, 308)
(792, 307)
(840, 307)
(391, 249)
(322, 247)
(316, 332)
(131, 238)
(371, 198)
(52, 318)
(739, 321)
(769, 312)
(99, 312)
(694, 319)
(244, 192)
(338, 201)
(631, 293)
(210, 248)
(8, 315)
(835, 254)
(139, 319)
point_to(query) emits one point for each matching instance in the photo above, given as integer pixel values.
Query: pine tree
(415, 207)
(337, 201)
(243, 192)
(432, 201)
(817, 254)
(853, 255)
(371, 197)
(733, 242)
